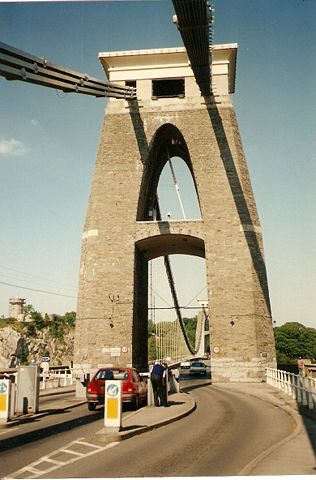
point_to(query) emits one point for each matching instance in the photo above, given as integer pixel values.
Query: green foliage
(56, 327)
(293, 341)
(6, 322)
(38, 321)
(190, 328)
(30, 330)
(28, 309)
(22, 359)
(156, 344)
(152, 351)
(151, 332)
(151, 328)
(61, 324)
(69, 319)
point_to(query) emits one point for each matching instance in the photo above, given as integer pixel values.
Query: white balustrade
(302, 389)
(57, 378)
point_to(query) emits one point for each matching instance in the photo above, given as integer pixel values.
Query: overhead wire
(37, 290)
(30, 275)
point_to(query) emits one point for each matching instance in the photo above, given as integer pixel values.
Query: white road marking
(33, 467)
(92, 445)
(72, 452)
(47, 459)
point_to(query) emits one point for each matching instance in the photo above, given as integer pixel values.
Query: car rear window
(112, 375)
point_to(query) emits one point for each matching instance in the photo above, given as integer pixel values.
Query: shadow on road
(309, 421)
(199, 381)
(31, 436)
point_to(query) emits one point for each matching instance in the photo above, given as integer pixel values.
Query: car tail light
(127, 387)
(92, 387)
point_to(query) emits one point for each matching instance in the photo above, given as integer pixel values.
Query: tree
(56, 327)
(70, 319)
(293, 341)
(28, 309)
(38, 320)
(190, 328)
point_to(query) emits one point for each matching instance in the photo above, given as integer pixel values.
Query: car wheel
(135, 403)
(91, 406)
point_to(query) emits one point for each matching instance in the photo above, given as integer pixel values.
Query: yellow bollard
(113, 405)
(4, 400)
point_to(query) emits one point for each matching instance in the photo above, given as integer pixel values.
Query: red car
(134, 389)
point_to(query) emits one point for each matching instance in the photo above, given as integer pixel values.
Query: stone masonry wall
(240, 318)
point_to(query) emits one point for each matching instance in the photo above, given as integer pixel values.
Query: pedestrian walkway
(148, 418)
(295, 454)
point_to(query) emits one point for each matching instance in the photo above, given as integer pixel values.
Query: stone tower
(170, 118)
(16, 306)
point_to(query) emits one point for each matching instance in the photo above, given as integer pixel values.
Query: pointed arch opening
(168, 162)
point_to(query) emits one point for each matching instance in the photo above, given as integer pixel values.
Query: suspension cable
(176, 186)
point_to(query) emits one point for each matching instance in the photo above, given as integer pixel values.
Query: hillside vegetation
(23, 342)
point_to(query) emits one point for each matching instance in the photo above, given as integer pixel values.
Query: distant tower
(16, 307)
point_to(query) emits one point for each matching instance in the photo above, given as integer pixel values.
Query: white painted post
(166, 386)
(298, 389)
(150, 393)
(309, 393)
(293, 387)
(304, 391)
(174, 384)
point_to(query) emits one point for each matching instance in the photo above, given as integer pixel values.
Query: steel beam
(194, 21)
(18, 65)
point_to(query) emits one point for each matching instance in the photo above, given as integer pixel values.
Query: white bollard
(150, 393)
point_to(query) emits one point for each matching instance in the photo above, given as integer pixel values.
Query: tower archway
(167, 142)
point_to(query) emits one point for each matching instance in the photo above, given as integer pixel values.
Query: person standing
(157, 378)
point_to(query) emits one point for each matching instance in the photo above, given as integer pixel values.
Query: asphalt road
(28, 444)
(225, 432)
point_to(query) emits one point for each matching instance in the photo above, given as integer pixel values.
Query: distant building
(16, 307)
(16, 310)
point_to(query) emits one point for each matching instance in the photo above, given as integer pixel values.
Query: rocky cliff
(16, 347)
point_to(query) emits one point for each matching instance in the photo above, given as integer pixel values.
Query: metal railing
(301, 389)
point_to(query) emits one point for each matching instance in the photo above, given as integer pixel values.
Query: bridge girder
(18, 65)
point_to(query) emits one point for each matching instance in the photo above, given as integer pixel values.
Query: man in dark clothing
(157, 378)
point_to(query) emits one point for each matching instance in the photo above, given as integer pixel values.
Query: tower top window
(168, 88)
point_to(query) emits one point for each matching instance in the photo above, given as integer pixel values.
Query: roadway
(222, 436)
(225, 432)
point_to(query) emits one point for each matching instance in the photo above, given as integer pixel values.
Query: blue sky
(48, 140)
